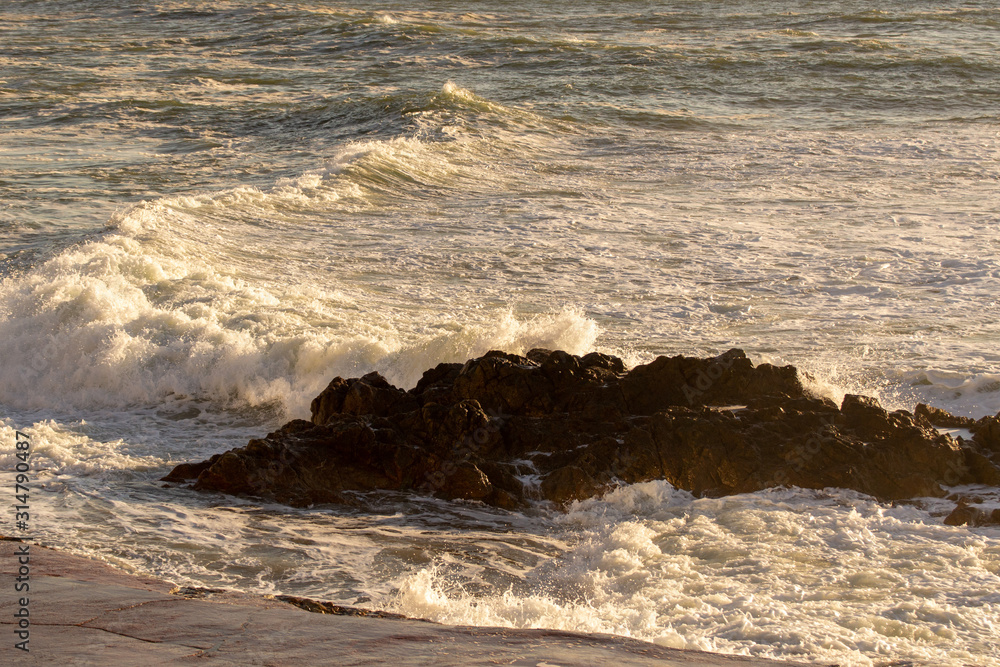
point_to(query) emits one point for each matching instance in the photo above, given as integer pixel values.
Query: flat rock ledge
(83, 612)
(509, 430)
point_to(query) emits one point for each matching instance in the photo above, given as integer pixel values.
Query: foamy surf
(181, 298)
(100, 327)
(826, 576)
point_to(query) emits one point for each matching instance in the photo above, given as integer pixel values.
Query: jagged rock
(942, 418)
(986, 433)
(369, 395)
(966, 514)
(568, 483)
(506, 430)
(189, 470)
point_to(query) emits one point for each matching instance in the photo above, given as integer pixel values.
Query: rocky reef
(508, 430)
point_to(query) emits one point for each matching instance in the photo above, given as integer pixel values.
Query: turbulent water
(208, 210)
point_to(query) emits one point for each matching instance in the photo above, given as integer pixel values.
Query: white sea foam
(967, 394)
(65, 450)
(163, 305)
(831, 576)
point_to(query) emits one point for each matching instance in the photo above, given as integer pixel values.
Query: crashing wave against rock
(507, 430)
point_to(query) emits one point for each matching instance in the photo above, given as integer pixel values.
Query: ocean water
(208, 210)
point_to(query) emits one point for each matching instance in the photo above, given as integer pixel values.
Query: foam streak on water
(206, 213)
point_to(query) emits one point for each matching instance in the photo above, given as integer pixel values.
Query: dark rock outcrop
(505, 430)
(971, 515)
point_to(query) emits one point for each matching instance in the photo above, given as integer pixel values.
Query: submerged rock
(506, 430)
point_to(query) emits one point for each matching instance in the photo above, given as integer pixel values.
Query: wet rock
(368, 395)
(689, 381)
(986, 433)
(966, 514)
(942, 418)
(568, 483)
(507, 430)
(187, 471)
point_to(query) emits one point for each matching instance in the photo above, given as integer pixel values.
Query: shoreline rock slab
(86, 613)
(509, 430)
